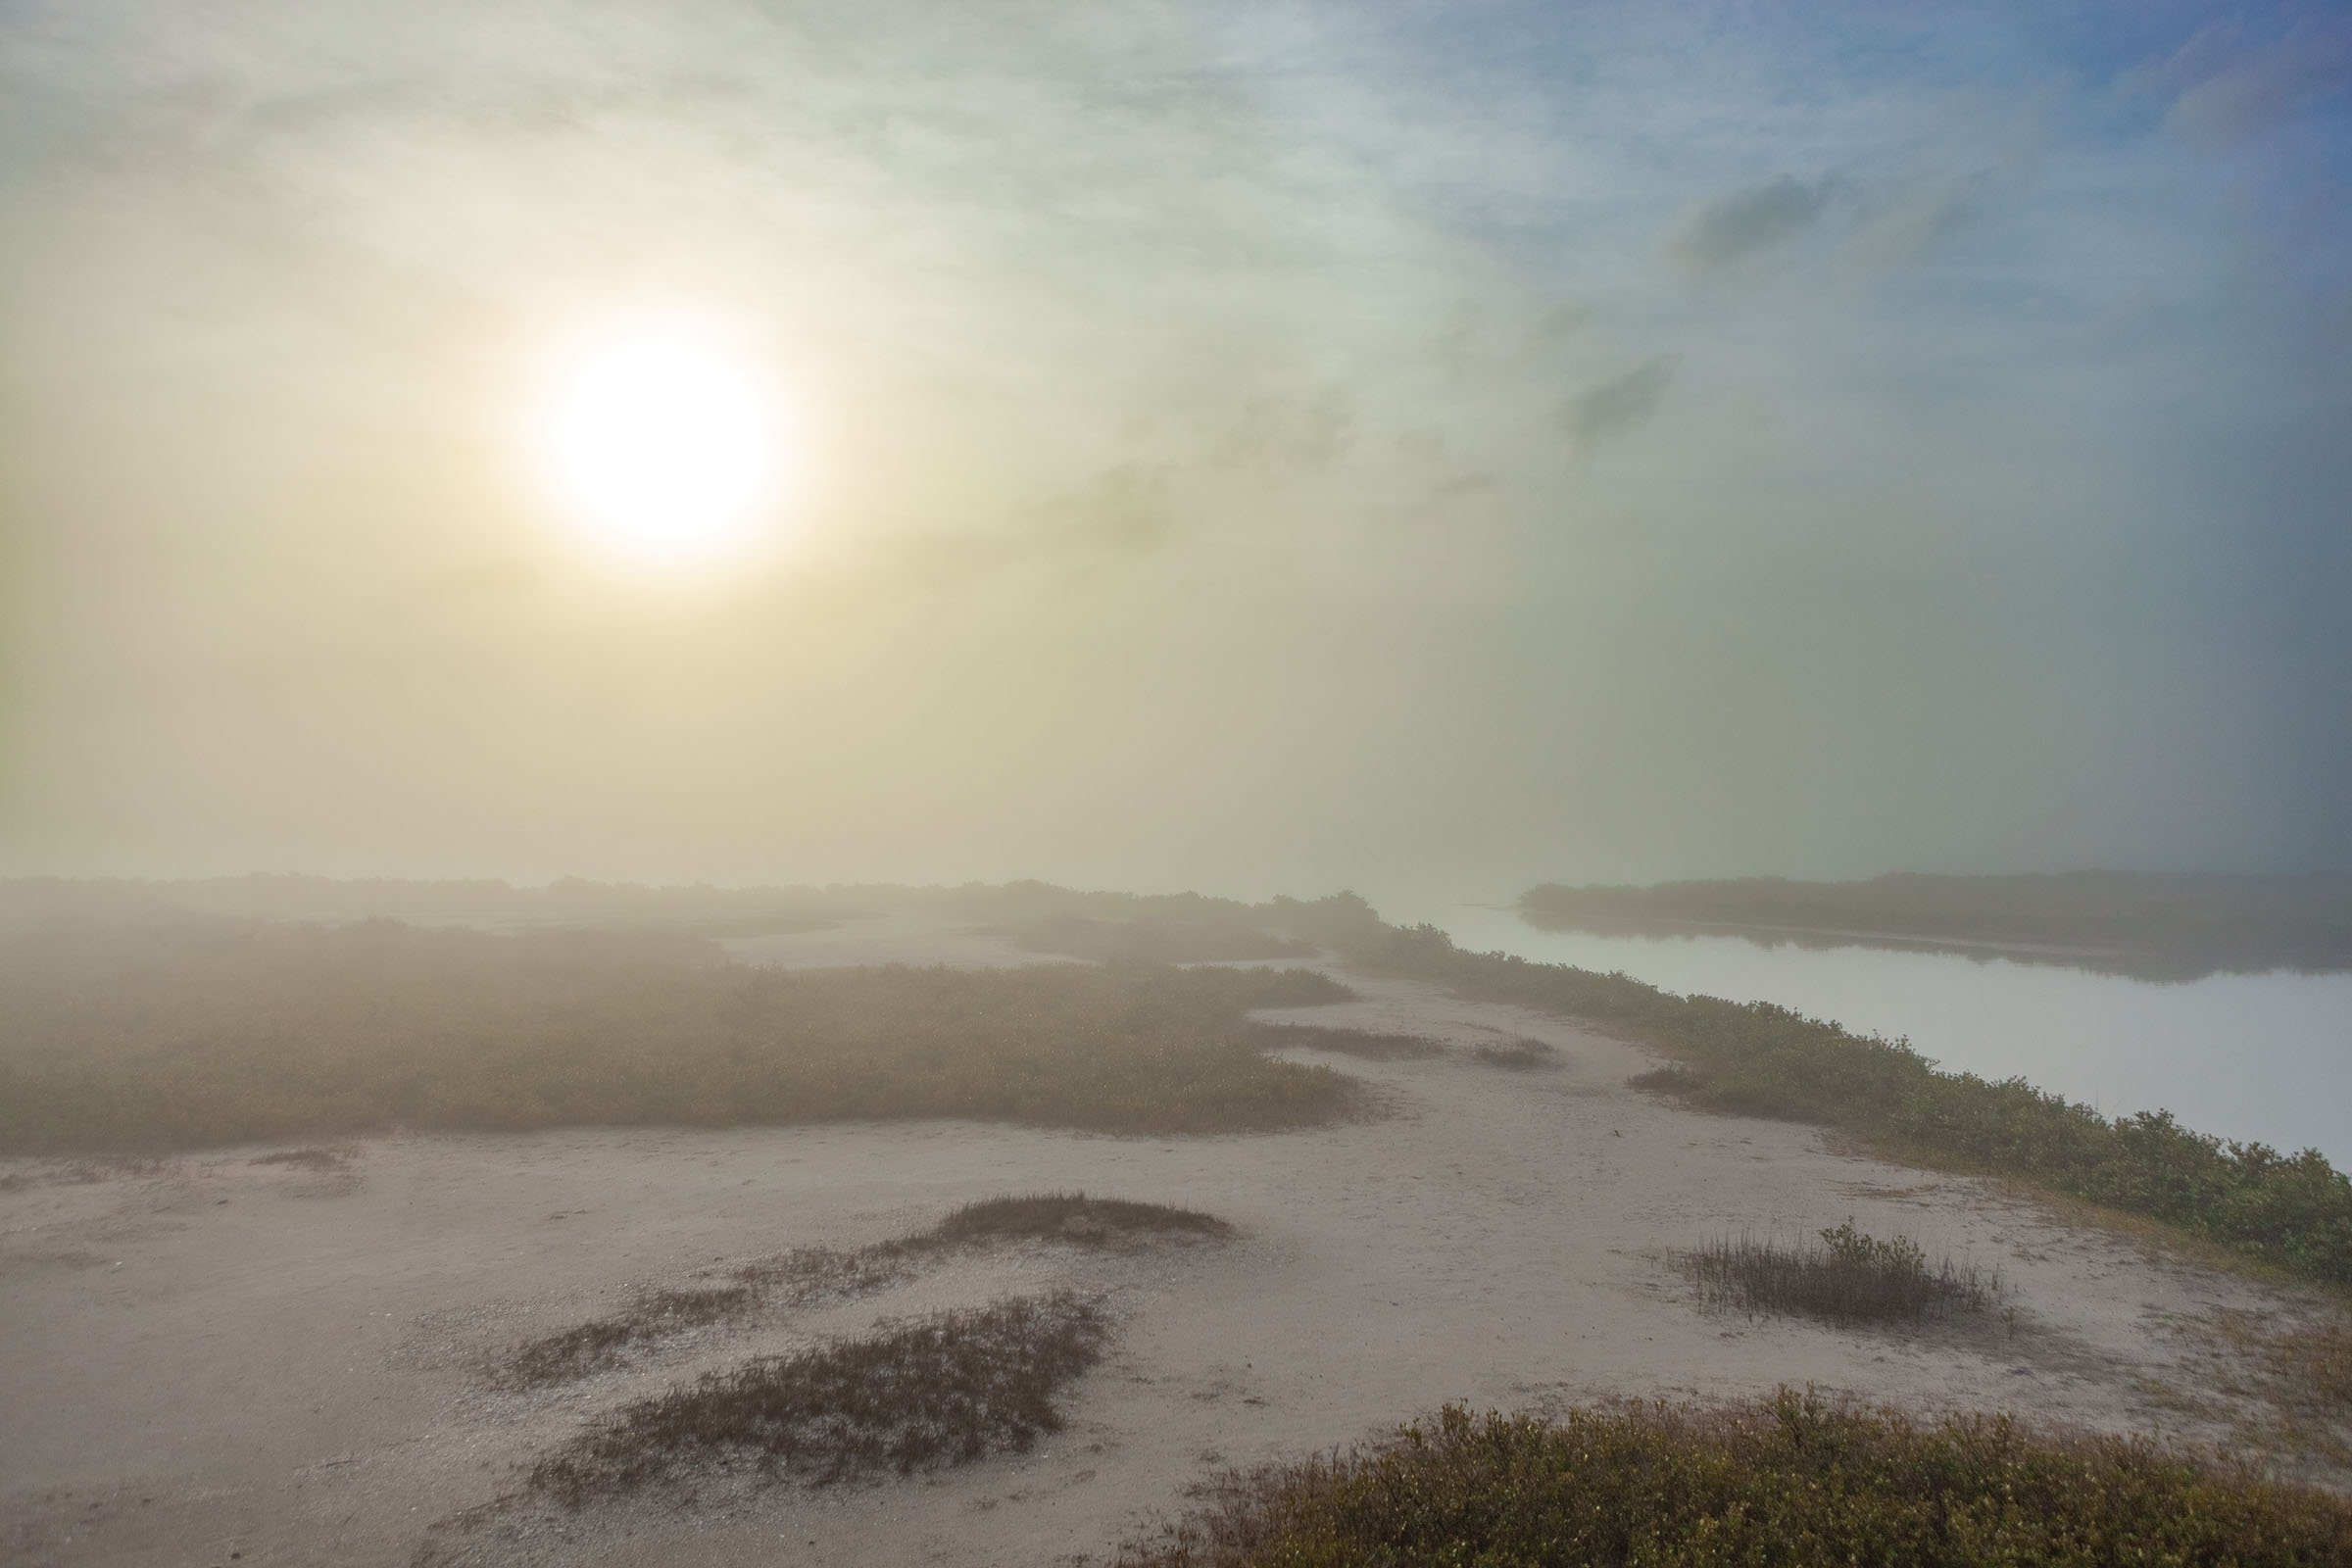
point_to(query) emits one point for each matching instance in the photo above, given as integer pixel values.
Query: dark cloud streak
(1618, 404)
(1747, 222)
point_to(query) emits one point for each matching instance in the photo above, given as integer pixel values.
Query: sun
(661, 439)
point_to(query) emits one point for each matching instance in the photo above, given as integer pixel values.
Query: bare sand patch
(286, 1360)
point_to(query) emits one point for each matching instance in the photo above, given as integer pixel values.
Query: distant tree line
(2162, 927)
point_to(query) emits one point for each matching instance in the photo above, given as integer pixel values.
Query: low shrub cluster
(2291, 1210)
(1847, 1277)
(939, 1391)
(204, 1032)
(808, 1275)
(1793, 1480)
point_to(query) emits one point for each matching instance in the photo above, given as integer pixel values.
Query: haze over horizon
(1255, 449)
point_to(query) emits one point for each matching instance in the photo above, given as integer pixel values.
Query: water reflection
(2265, 1057)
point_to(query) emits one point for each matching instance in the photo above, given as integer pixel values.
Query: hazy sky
(1250, 447)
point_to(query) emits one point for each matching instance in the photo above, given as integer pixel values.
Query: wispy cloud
(2251, 91)
(1905, 223)
(1734, 226)
(1272, 329)
(1618, 404)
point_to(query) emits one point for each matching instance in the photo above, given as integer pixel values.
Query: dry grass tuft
(1679, 1082)
(1518, 1056)
(1847, 1278)
(939, 1391)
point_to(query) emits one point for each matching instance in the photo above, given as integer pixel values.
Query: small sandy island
(286, 1355)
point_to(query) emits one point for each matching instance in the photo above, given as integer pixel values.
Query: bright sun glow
(661, 439)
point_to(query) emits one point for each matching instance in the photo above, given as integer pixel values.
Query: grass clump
(1517, 1056)
(2291, 1211)
(1679, 1082)
(939, 1391)
(1847, 1277)
(306, 1158)
(1071, 1217)
(605, 1343)
(809, 1275)
(1793, 1480)
(196, 1033)
(1368, 1045)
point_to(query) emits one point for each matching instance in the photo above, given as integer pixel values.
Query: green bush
(1793, 1482)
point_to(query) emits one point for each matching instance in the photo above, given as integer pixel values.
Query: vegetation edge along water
(2291, 1211)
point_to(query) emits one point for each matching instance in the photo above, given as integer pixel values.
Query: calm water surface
(2263, 1057)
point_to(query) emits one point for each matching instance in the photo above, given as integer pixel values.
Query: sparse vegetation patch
(1793, 1480)
(1677, 1082)
(1518, 1056)
(1369, 1044)
(605, 1343)
(204, 1032)
(809, 1275)
(1847, 1277)
(934, 1391)
(2318, 1358)
(307, 1159)
(2297, 1375)
(1071, 1217)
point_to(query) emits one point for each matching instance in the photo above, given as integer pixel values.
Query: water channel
(2254, 1057)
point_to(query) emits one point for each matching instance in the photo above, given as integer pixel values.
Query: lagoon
(2262, 1058)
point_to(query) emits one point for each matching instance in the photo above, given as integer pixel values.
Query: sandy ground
(212, 1360)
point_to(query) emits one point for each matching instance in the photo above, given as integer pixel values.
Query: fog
(1256, 448)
